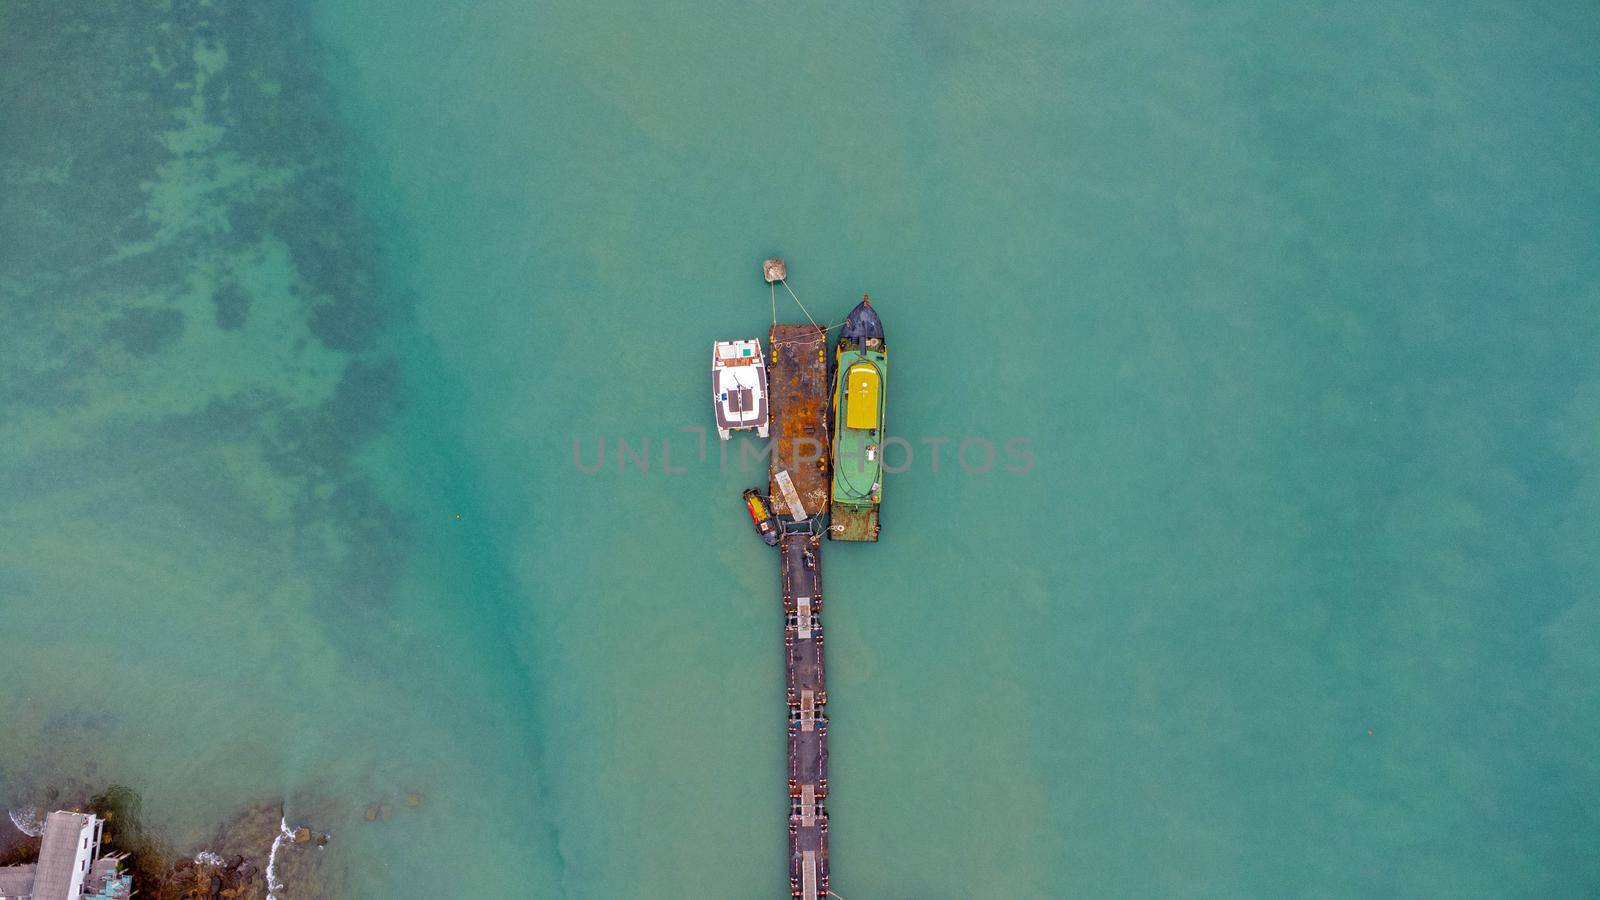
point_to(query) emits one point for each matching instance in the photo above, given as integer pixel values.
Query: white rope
(807, 339)
(797, 301)
(774, 303)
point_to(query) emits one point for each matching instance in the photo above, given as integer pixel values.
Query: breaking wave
(28, 820)
(273, 884)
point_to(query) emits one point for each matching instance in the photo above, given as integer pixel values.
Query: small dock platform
(797, 380)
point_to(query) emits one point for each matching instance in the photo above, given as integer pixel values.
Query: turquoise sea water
(1295, 307)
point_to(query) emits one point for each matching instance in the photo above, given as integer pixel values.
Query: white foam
(273, 884)
(28, 821)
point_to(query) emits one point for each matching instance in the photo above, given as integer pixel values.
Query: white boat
(739, 386)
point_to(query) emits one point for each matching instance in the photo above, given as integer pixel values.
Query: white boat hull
(739, 387)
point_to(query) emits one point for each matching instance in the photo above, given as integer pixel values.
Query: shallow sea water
(302, 309)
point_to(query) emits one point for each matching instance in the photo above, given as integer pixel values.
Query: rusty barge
(798, 384)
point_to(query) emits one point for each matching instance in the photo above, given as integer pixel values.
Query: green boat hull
(857, 452)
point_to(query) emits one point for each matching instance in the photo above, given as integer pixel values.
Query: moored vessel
(861, 371)
(739, 387)
(761, 516)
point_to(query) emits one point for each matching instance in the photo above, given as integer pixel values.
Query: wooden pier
(798, 470)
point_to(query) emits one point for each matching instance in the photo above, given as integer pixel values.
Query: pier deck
(807, 697)
(797, 380)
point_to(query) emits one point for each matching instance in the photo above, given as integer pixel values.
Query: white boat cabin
(739, 387)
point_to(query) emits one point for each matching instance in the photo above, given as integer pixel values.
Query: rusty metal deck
(797, 380)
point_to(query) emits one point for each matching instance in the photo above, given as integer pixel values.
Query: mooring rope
(803, 309)
(797, 301)
(805, 339)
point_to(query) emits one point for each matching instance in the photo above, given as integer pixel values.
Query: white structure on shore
(69, 867)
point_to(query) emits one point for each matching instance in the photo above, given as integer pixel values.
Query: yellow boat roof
(861, 403)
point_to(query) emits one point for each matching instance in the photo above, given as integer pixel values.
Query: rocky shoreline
(232, 865)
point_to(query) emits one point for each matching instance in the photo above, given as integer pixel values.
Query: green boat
(860, 379)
